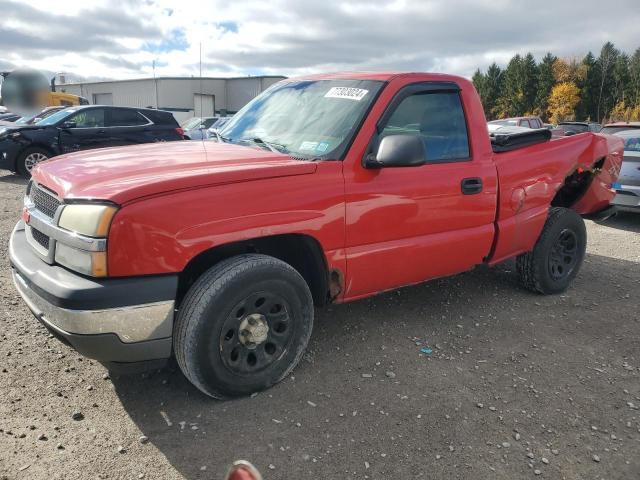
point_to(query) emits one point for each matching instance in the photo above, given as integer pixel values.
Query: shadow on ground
(528, 357)
(624, 221)
(12, 179)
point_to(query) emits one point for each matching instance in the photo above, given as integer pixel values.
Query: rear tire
(29, 158)
(558, 254)
(243, 326)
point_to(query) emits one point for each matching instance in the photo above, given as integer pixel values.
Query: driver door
(88, 132)
(408, 224)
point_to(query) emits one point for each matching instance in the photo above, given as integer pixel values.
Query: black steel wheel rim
(564, 255)
(247, 354)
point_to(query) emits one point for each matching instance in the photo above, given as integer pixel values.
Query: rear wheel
(243, 326)
(557, 255)
(29, 158)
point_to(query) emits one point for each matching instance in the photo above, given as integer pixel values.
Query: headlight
(86, 219)
(93, 264)
(3, 130)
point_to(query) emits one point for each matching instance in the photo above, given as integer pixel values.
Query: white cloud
(101, 40)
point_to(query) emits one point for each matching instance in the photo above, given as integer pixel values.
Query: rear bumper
(111, 320)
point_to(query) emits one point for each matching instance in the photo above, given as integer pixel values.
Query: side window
(124, 117)
(525, 123)
(438, 118)
(93, 118)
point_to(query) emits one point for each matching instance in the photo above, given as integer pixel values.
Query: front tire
(29, 158)
(558, 254)
(243, 326)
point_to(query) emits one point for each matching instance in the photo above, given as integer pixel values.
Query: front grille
(41, 238)
(44, 201)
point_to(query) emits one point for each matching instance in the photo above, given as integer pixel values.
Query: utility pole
(155, 82)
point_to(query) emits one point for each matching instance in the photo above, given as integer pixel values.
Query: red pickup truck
(327, 188)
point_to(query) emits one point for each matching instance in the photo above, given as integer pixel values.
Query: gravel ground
(518, 386)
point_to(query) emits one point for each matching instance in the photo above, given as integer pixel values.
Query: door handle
(471, 186)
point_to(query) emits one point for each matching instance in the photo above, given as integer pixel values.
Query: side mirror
(67, 125)
(398, 151)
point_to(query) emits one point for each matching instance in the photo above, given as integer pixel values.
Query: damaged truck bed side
(326, 188)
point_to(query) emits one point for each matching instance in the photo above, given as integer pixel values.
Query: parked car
(611, 128)
(195, 128)
(571, 128)
(9, 117)
(628, 185)
(216, 127)
(218, 251)
(526, 122)
(33, 119)
(82, 128)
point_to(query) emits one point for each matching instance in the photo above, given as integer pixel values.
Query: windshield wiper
(220, 138)
(270, 145)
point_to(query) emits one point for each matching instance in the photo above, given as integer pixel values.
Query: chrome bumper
(135, 323)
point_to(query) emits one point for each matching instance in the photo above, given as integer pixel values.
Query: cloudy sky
(108, 39)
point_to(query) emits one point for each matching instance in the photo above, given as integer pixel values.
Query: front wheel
(243, 326)
(558, 253)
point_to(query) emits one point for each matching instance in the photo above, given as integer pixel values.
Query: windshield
(574, 127)
(504, 122)
(191, 123)
(58, 116)
(614, 129)
(305, 119)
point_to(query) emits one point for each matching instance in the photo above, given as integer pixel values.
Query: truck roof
(380, 76)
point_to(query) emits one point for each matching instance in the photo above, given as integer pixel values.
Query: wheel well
(302, 252)
(576, 185)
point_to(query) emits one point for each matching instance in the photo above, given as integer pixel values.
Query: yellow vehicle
(56, 99)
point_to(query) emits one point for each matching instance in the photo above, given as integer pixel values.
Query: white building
(185, 97)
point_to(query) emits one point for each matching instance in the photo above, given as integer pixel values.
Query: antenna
(201, 113)
(155, 81)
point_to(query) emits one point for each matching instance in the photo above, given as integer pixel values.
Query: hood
(123, 174)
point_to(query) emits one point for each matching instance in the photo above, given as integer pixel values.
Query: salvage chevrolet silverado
(323, 189)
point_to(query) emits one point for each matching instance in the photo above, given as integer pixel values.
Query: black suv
(83, 128)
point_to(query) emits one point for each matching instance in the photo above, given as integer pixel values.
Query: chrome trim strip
(134, 323)
(40, 221)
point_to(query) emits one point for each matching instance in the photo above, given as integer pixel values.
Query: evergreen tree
(587, 108)
(634, 78)
(605, 66)
(478, 81)
(528, 83)
(492, 89)
(511, 102)
(546, 82)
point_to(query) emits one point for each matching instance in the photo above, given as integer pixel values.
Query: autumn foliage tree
(563, 101)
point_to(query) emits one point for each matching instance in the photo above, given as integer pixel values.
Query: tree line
(606, 88)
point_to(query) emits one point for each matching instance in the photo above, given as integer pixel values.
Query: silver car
(628, 184)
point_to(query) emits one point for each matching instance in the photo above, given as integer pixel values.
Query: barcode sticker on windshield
(349, 93)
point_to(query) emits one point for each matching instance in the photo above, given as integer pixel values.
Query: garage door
(203, 105)
(103, 98)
